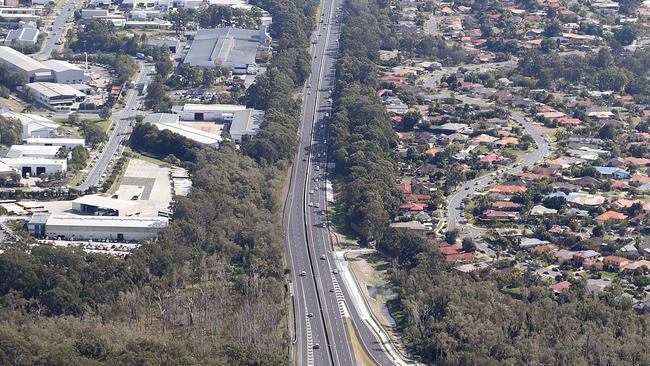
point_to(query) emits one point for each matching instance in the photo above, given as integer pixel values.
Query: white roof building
(55, 96)
(92, 203)
(33, 125)
(32, 151)
(245, 123)
(56, 141)
(24, 35)
(29, 68)
(104, 227)
(36, 166)
(202, 137)
(66, 73)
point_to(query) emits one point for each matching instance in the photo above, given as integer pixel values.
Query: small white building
(245, 123)
(33, 125)
(104, 227)
(33, 167)
(56, 96)
(32, 151)
(67, 73)
(56, 141)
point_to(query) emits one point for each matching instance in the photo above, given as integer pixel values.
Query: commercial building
(33, 167)
(101, 227)
(14, 15)
(207, 112)
(196, 135)
(69, 143)
(33, 125)
(56, 96)
(242, 121)
(245, 123)
(30, 69)
(26, 35)
(95, 204)
(32, 151)
(67, 73)
(232, 48)
(60, 141)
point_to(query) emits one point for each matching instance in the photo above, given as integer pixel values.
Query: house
(613, 172)
(611, 216)
(508, 188)
(539, 210)
(585, 258)
(615, 263)
(560, 287)
(500, 215)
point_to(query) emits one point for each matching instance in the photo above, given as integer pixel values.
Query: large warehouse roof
(246, 122)
(208, 108)
(60, 66)
(193, 134)
(228, 47)
(20, 61)
(107, 221)
(52, 90)
(124, 207)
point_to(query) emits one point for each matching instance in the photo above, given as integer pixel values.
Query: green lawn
(133, 154)
(339, 225)
(609, 275)
(15, 106)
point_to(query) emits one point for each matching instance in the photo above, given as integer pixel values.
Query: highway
(121, 122)
(56, 34)
(453, 211)
(322, 305)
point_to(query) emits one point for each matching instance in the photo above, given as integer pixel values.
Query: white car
(311, 192)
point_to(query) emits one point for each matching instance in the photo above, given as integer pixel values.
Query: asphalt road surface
(122, 124)
(322, 304)
(454, 211)
(56, 34)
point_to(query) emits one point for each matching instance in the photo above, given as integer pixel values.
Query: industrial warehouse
(232, 48)
(113, 228)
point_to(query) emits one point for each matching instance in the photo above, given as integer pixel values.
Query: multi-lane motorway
(324, 309)
(454, 210)
(121, 122)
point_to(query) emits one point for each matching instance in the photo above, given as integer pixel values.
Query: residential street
(454, 212)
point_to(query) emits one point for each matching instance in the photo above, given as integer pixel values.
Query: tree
(10, 131)
(164, 65)
(105, 113)
(626, 34)
(410, 119)
(468, 245)
(451, 236)
(73, 119)
(93, 133)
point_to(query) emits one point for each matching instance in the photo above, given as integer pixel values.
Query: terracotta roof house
(506, 205)
(615, 263)
(500, 215)
(507, 141)
(585, 258)
(560, 286)
(405, 188)
(508, 188)
(638, 161)
(610, 216)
